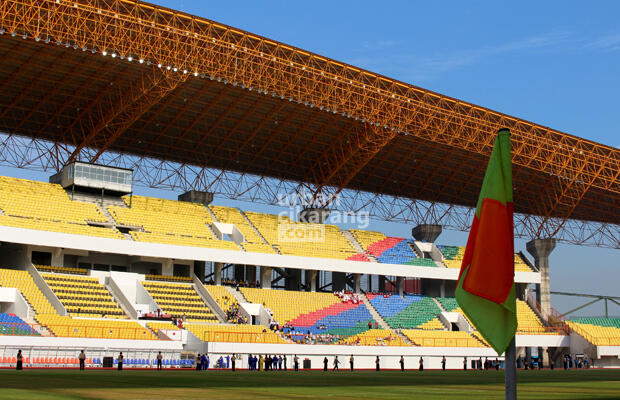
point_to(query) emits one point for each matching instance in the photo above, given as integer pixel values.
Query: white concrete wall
(132, 248)
(66, 342)
(364, 355)
(13, 303)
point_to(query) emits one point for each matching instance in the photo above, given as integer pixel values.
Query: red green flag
(485, 290)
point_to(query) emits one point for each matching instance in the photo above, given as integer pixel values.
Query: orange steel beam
(197, 45)
(133, 102)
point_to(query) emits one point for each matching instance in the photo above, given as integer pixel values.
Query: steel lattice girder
(380, 111)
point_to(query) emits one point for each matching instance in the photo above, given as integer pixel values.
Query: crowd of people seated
(234, 283)
(348, 297)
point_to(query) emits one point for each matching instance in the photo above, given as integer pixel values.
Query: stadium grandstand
(86, 255)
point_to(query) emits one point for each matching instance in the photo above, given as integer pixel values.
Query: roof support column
(265, 277)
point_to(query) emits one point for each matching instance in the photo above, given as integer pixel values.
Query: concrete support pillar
(217, 273)
(167, 267)
(312, 277)
(199, 270)
(357, 280)
(401, 285)
(442, 289)
(265, 277)
(426, 232)
(58, 257)
(250, 274)
(540, 249)
(338, 281)
(239, 273)
(293, 282)
(381, 287)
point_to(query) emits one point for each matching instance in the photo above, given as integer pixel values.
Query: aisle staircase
(356, 245)
(375, 314)
(237, 294)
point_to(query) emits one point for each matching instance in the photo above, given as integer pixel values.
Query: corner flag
(485, 289)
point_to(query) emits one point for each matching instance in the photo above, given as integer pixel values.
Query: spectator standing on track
(464, 363)
(402, 363)
(377, 367)
(198, 362)
(351, 362)
(480, 363)
(284, 362)
(261, 362)
(336, 362)
(443, 363)
(203, 362)
(496, 364)
(296, 362)
(325, 364)
(82, 360)
(421, 364)
(20, 361)
(280, 363)
(232, 360)
(120, 361)
(160, 359)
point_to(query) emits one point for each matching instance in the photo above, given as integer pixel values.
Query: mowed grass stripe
(387, 385)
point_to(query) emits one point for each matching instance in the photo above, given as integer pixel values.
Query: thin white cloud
(607, 42)
(412, 68)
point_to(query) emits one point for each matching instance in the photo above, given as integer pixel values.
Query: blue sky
(555, 63)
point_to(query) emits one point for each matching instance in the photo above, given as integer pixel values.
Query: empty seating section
(318, 240)
(13, 325)
(317, 313)
(30, 291)
(168, 222)
(89, 328)
(234, 333)
(598, 331)
(223, 298)
(410, 311)
(528, 321)
(46, 206)
(59, 227)
(452, 255)
(166, 278)
(367, 238)
(62, 270)
(448, 303)
(83, 296)
(520, 265)
(375, 337)
(287, 305)
(343, 319)
(179, 300)
(431, 338)
(390, 250)
(156, 326)
(252, 240)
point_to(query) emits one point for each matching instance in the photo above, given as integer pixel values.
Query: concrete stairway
(237, 294)
(258, 232)
(356, 245)
(373, 311)
(206, 297)
(377, 317)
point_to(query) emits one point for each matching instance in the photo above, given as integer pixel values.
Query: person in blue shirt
(203, 362)
(274, 361)
(208, 361)
(280, 360)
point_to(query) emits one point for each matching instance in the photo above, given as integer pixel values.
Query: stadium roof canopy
(82, 80)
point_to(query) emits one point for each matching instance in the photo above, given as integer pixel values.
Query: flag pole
(510, 361)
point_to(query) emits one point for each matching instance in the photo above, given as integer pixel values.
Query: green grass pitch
(128, 384)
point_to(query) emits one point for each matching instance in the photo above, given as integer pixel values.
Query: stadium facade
(171, 100)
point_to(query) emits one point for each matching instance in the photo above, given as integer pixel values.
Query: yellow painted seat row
(375, 337)
(234, 333)
(430, 338)
(104, 329)
(179, 300)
